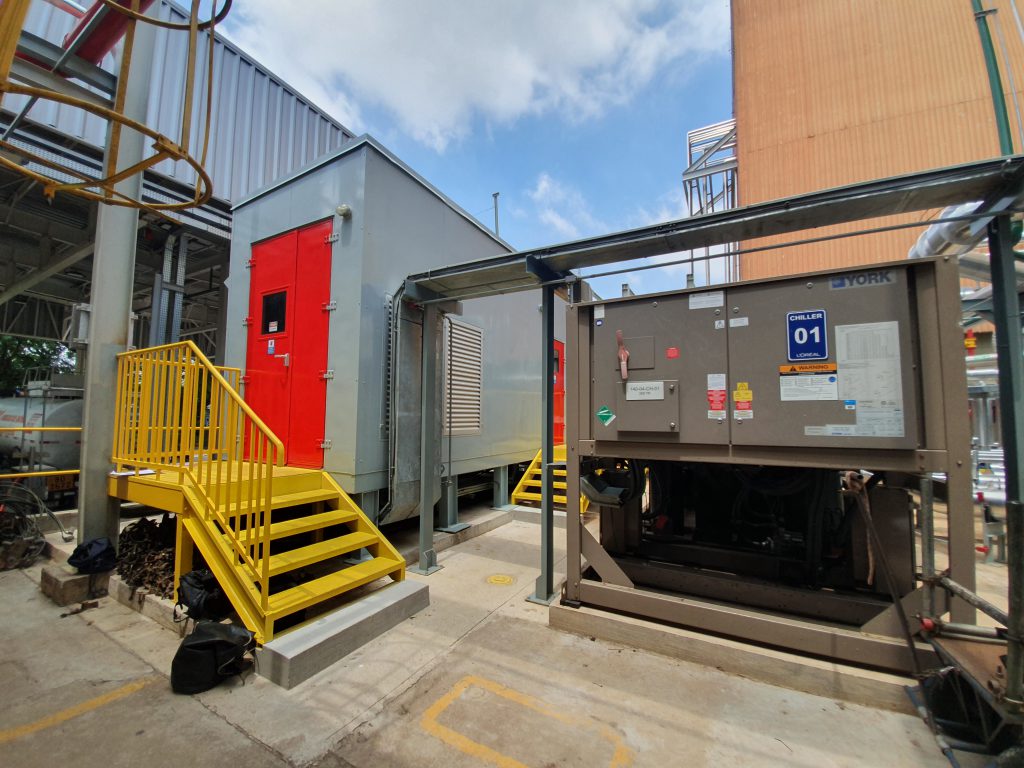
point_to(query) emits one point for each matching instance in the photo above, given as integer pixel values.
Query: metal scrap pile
(145, 555)
(21, 541)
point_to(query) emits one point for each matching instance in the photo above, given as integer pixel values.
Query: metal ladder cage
(56, 177)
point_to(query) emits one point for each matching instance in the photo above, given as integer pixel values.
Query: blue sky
(576, 111)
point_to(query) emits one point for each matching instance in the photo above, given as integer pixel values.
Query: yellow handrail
(177, 412)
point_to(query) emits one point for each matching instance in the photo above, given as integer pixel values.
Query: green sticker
(604, 413)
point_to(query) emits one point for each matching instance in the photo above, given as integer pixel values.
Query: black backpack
(200, 596)
(94, 556)
(211, 653)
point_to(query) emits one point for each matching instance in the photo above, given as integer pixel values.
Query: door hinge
(327, 375)
(325, 444)
(331, 238)
(329, 306)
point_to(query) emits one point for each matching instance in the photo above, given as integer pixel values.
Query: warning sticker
(604, 415)
(717, 395)
(672, 353)
(716, 381)
(742, 395)
(716, 414)
(716, 399)
(794, 369)
(743, 415)
(809, 386)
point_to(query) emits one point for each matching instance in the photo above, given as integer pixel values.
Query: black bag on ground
(212, 652)
(94, 556)
(201, 597)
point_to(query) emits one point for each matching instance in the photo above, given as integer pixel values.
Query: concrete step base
(786, 670)
(65, 585)
(298, 655)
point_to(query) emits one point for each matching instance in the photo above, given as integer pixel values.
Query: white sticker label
(719, 325)
(739, 322)
(270, 346)
(816, 386)
(599, 312)
(716, 381)
(645, 390)
(743, 415)
(868, 355)
(707, 300)
(272, 326)
(716, 414)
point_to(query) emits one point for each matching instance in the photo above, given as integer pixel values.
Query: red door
(286, 353)
(559, 393)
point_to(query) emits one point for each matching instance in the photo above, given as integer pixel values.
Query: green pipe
(995, 82)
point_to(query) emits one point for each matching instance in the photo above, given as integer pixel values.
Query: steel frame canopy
(998, 184)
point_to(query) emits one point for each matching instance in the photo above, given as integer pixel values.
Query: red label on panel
(716, 399)
(672, 353)
(743, 405)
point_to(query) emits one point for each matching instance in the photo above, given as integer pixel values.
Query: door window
(274, 305)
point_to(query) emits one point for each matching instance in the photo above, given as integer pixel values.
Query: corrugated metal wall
(832, 92)
(262, 129)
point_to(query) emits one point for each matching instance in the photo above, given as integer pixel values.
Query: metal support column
(1006, 306)
(499, 487)
(926, 519)
(113, 276)
(544, 591)
(428, 440)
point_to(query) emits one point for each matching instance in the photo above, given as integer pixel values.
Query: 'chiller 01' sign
(806, 336)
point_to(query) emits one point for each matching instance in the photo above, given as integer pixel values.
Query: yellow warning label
(794, 368)
(743, 394)
(743, 385)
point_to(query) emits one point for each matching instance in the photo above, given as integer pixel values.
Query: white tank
(58, 449)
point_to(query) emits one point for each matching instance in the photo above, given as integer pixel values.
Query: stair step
(318, 590)
(559, 499)
(322, 550)
(311, 523)
(536, 484)
(284, 500)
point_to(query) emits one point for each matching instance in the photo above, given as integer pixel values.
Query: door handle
(287, 357)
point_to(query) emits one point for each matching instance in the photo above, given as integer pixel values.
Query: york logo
(862, 279)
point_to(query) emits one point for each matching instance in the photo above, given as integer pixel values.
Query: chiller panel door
(286, 356)
(824, 361)
(271, 331)
(309, 368)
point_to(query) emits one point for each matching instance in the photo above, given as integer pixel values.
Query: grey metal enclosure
(386, 222)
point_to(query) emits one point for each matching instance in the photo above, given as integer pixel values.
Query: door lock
(286, 357)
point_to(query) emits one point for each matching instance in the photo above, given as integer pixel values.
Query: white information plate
(815, 386)
(645, 390)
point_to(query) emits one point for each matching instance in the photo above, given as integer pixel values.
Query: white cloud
(438, 67)
(563, 209)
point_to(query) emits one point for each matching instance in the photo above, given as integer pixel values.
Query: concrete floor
(476, 679)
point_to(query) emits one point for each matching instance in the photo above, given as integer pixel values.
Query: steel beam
(32, 279)
(544, 591)
(428, 440)
(113, 277)
(1006, 305)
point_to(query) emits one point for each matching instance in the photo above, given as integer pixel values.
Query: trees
(17, 355)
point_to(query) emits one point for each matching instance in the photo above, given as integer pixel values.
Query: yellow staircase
(528, 490)
(279, 539)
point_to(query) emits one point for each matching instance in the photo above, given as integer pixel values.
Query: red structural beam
(93, 43)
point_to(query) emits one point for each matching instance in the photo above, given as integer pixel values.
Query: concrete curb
(821, 678)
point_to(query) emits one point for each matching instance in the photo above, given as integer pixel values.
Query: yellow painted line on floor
(621, 758)
(79, 709)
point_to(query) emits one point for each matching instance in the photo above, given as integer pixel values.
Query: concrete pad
(519, 694)
(301, 653)
(799, 673)
(73, 696)
(65, 585)
(532, 515)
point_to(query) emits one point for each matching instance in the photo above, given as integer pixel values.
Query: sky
(575, 111)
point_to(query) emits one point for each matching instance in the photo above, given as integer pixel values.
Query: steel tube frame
(968, 596)
(1006, 306)
(544, 590)
(428, 438)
